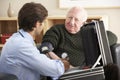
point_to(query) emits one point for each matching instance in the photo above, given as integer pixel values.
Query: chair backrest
(115, 51)
(7, 76)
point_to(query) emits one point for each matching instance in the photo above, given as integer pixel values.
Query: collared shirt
(20, 56)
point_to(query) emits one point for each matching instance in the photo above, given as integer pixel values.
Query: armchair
(7, 76)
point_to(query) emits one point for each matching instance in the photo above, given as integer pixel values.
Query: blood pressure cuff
(45, 47)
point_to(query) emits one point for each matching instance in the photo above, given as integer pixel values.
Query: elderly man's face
(74, 21)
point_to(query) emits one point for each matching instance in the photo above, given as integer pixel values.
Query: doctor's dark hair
(29, 14)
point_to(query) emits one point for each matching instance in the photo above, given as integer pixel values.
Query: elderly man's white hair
(82, 12)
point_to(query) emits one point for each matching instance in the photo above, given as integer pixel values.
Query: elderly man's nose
(72, 21)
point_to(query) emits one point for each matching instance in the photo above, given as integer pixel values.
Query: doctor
(21, 57)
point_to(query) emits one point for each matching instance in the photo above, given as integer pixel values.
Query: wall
(53, 8)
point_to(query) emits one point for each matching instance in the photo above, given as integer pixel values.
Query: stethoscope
(21, 34)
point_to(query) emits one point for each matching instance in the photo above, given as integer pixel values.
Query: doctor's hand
(66, 64)
(52, 55)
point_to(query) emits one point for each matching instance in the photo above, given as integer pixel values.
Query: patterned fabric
(63, 41)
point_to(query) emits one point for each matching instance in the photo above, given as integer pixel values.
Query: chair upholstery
(6, 76)
(112, 70)
(115, 51)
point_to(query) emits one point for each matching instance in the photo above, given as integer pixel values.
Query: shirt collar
(26, 35)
